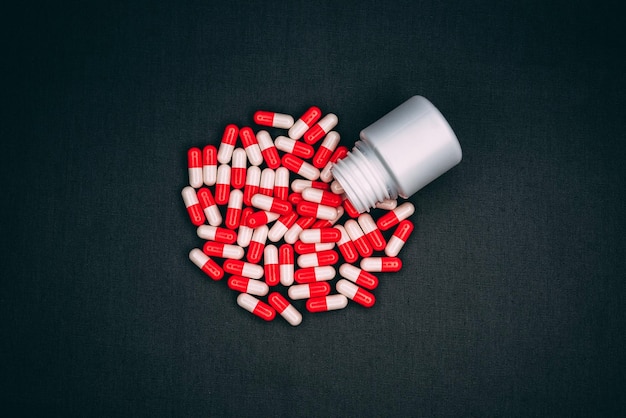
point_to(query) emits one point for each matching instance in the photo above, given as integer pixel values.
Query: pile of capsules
(309, 215)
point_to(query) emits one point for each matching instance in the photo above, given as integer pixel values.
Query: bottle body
(398, 155)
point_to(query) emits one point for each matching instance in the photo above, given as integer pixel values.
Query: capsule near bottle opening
(398, 155)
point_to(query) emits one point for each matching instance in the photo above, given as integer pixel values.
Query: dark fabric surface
(511, 299)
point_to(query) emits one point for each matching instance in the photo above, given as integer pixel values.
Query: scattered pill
(298, 185)
(326, 149)
(305, 122)
(270, 265)
(227, 145)
(233, 210)
(321, 128)
(194, 165)
(326, 223)
(399, 238)
(393, 217)
(206, 264)
(209, 206)
(361, 277)
(314, 274)
(294, 198)
(316, 210)
(318, 259)
(361, 243)
(327, 303)
(318, 235)
(381, 264)
(261, 217)
(350, 209)
(251, 145)
(292, 146)
(308, 290)
(271, 204)
(244, 233)
(215, 233)
(275, 120)
(266, 185)
(284, 308)
(257, 244)
(286, 260)
(300, 167)
(281, 183)
(238, 169)
(190, 198)
(323, 197)
(355, 293)
(242, 268)
(222, 185)
(268, 149)
(247, 285)
(253, 179)
(303, 248)
(221, 250)
(209, 165)
(256, 307)
(346, 246)
(371, 231)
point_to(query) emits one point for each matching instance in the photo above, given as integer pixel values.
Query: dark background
(511, 300)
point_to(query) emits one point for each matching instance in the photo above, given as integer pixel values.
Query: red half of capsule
(322, 223)
(365, 298)
(272, 274)
(363, 246)
(222, 193)
(314, 134)
(238, 283)
(209, 155)
(225, 235)
(303, 150)
(271, 157)
(330, 234)
(348, 251)
(294, 198)
(233, 266)
(292, 162)
(311, 116)
(350, 209)
(390, 264)
(255, 252)
(322, 156)
(327, 258)
(194, 158)
(281, 192)
(230, 134)
(257, 219)
(264, 311)
(248, 192)
(304, 248)
(263, 118)
(305, 208)
(233, 218)
(205, 197)
(285, 254)
(238, 177)
(377, 240)
(247, 136)
(196, 215)
(387, 221)
(306, 275)
(278, 301)
(213, 270)
(339, 153)
(318, 289)
(404, 229)
(367, 280)
(214, 249)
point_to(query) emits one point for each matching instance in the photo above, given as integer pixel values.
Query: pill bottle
(398, 155)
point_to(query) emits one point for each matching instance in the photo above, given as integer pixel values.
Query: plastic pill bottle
(398, 155)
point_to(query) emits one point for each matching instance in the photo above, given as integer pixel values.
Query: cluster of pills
(275, 222)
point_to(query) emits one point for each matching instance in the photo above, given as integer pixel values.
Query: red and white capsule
(281, 183)
(314, 274)
(209, 165)
(273, 119)
(251, 145)
(247, 285)
(285, 309)
(204, 263)
(323, 197)
(298, 185)
(350, 209)
(244, 233)
(292, 146)
(304, 248)
(293, 233)
(281, 226)
(399, 238)
(221, 250)
(234, 209)
(317, 235)
(326, 149)
(381, 264)
(326, 303)
(321, 128)
(266, 185)
(268, 150)
(305, 122)
(209, 206)
(261, 217)
(300, 167)
(227, 145)
(308, 290)
(371, 231)
(222, 185)
(194, 167)
(243, 268)
(327, 223)
(316, 210)
(346, 246)
(322, 258)
(286, 260)
(358, 276)
(271, 204)
(190, 198)
(355, 293)
(396, 215)
(326, 175)
(257, 244)
(357, 236)
(256, 307)
(238, 169)
(215, 233)
(270, 265)
(253, 179)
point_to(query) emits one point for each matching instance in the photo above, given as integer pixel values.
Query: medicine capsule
(222, 185)
(261, 217)
(336, 188)
(327, 223)
(300, 167)
(253, 179)
(281, 183)
(247, 285)
(371, 231)
(322, 197)
(303, 248)
(251, 145)
(257, 244)
(399, 238)
(209, 165)
(326, 303)
(355, 293)
(221, 250)
(268, 150)
(346, 246)
(209, 206)
(322, 258)
(357, 236)
(227, 145)
(396, 215)
(286, 261)
(194, 167)
(275, 120)
(326, 175)
(316, 210)
(190, 198)
(308, 290)
(381, 264)
(294, 198)
(284, 308)
(204, 263)
(292, 146)
(234, 208)
(293, 233)
(270, 265)
(298, 185)
(387, 204)
(315, 235)
(256, 307)
(244, 233)
(350, 209)
(304, 123)
(358, 276)
(321, 128)
(326, 149)
(215, 233)
(243, 268)
(314, 274)
(238, 169)
(266, 185)
(280, 227)
(271, 204)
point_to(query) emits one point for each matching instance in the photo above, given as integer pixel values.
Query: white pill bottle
(398, 155)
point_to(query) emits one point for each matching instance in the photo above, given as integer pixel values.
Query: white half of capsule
(299, 292)
(247, 301)
(195, 177)
(281, 177)
(207, 232)
(270, 255)
(254, 154)
(282, 121)
(235, 200)
(257, 287)
(309, 171)
(331, 140)
(323, 246)
(298, 185)
(326, 212)
(260, 234)
(311, 236)
(307, 260)
(367, 223)
(404, 210)
(387, 204)
(223, 174)
(372, 264)
(328, 122)
(353, 229)
(347, 288)
(292, 315)
(393, 247)
(349, 272)
(239, 158)
(344, 235)
(225, 152)
(292, 234)
(198, 257)
(253, 176)
(252, 271)
(267, 179)
(190, 197)
(277, 232)
(213, 215)
(264, 139)
(285, 144)
(244, 235)
(286, 274)
(335, 302)
(234, 252)
(324, 273)
(298, 129)
(336, 188)
(209, 174)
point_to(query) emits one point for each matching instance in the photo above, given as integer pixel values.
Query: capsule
(346, 246)
(371, 231)
(355, 293)
(300, 167)
(358, 276)
(270, 265)
(322, 258)
(304, 123)
(316, 210)
(314, 274)
(326, 303)
(298, 185)
(293, 233)
(399, 238)
(275, 120)
(286, 261)
(381, 264)
(357, 236)
(336, 188)
(257, 244)
(256, 307)
(294, 198)
(250, 144)
(322, 197)
(268, 150)
(282, 225)
(396, 215)
(266, 185)
(247, 285)
(321, 128)
(229, 139)
(222, 185)
(244, 233)
(190, 198)
(291, 146)
(308, 290)
(271, 204)
(281, 183)
(233, 210)
(215, 233)
(243, 268)
(325, 150)
(209, 165)
(261, 217)
(350, 209)
(209, 206)
(204, 263)
(194, 167)
(284, 308)
(326, 175)
(387, 204)
(238, 169)
(221, 250)
(315, 235)
(303, 248)
(253, 179)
